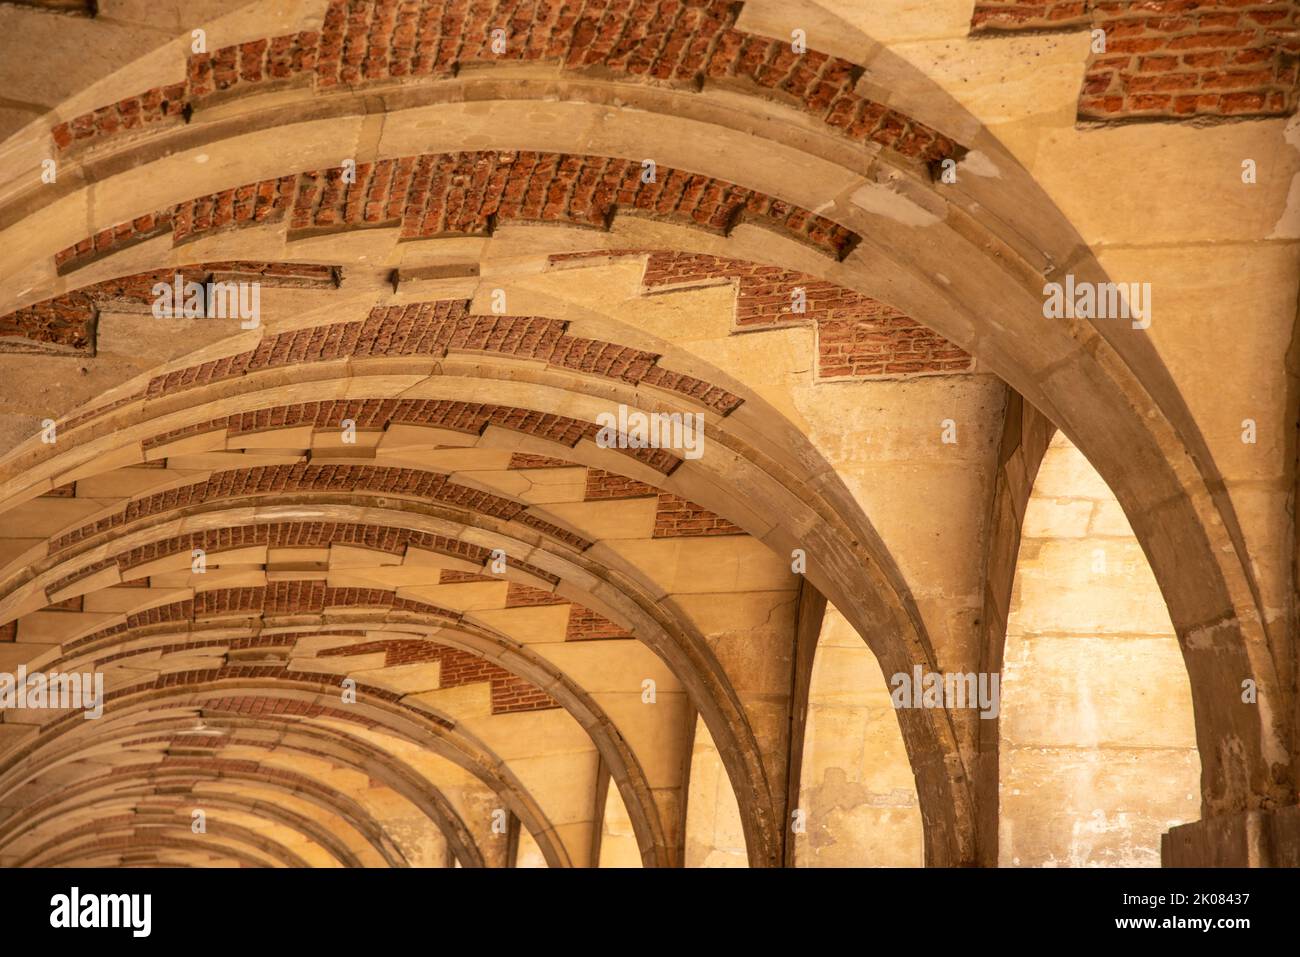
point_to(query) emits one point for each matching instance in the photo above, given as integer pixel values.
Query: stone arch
(455, 744)
(288, 819)
(887, 600)
(469, 634)
(340, 747)
(1105, 386)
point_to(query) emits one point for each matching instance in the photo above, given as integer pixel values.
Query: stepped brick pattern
(66, 323)
(470, 418)
(276, 598)
(857, 337)
(443, 327)
(280, 479)
(382, 538)
(510, 693)
(669, 522)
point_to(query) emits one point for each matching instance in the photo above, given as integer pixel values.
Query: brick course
(669, 42)
(468, 417)
(527, 460)
(509, 692)
(274, 479)
(267, 201)
(162, 105)
(448, 194)
(857, 336)
(68, 321)
(678, 518)
(609, 485)
(276, 598)
(522, 596)
(585, 625)
(108, 241)
(449, 576)
(446, 326)
(467, 193)
(1172, 59)
(390, 539)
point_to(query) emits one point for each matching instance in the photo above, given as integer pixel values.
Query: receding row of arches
(391, 486)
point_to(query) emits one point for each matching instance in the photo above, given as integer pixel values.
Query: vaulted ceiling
(365, 583)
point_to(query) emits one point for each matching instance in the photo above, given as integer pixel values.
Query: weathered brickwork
(687, 44)
(510, 693)
(67, 322)
(273, 707)
(468, 417)
(709, 395)
(248, 642)
(276, 598)
(764, 294)
(997, 16)
(90, 414)
(119, 237)
(275, 479)
(252, 204)
(448, 194)
(674, 518)
(63, 324)
(678, 518)
(449, 576)
(885, 344)
(250, 706)
(443, 327)
(300, 597)
(264, 61)
(527, 460)
(466, 193)
(182, 741)
(1173, 59)
(551, 530)
(158, 106)
(856, 336)
(202, 678)
(145, 847)
(521, 596)
(608, 485)
(585, 625)
(383, 538)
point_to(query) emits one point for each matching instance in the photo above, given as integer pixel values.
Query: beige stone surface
(714, 835)
(1098, 748)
